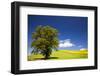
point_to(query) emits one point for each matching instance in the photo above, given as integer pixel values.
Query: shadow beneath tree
(45, 59)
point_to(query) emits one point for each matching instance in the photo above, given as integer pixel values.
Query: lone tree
(45, 40)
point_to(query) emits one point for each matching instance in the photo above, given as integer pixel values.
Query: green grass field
(62, 54)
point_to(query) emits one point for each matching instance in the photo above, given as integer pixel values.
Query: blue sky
(72, 30)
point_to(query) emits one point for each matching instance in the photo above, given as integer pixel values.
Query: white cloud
(83, 49)
(65, 43)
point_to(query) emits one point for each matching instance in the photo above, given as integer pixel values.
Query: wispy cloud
(65, 43)
(83, 49)
(80, 46)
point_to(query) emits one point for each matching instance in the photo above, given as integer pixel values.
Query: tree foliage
(45, 40)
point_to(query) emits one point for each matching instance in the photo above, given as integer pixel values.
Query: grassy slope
(62, 54)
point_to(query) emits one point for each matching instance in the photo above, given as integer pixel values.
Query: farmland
(61, 54)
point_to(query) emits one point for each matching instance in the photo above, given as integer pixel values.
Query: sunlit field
(61, 54)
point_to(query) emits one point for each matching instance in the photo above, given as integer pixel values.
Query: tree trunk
(47, 55)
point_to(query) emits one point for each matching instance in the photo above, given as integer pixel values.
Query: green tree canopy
(45, 40)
